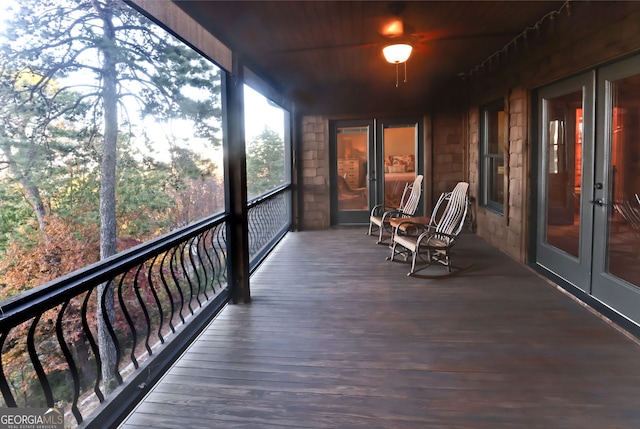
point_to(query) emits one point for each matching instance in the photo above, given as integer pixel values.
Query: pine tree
(265, 163)
(117, 60)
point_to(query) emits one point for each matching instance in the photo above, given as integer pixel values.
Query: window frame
(486, 158)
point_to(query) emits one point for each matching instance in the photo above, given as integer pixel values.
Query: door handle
(598, 202)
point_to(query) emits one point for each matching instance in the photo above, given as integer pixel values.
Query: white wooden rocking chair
(432, 242)
(381, 214)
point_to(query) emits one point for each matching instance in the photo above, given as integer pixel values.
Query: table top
(395, 221)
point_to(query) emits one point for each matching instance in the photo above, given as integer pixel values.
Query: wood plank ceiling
(326, 56)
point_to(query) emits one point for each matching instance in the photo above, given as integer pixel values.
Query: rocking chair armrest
(394, 213)
(425, 238)
(380, 209)
(410, 227)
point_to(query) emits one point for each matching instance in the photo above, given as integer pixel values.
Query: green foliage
(52, 112)
(141, 199)
(54, 129)
(16, 217)
(265, 163)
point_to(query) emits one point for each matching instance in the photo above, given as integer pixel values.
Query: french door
(616, 267)
(588, 190)
(371, 162)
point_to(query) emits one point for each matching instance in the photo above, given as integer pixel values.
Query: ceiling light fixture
(397, 54)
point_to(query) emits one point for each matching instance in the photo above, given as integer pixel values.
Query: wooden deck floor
(338, 337)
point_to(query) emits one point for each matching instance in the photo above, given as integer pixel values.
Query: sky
(258, 111)
(4, 4)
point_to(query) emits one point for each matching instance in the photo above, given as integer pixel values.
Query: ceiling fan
(400, 42)
(392, 28)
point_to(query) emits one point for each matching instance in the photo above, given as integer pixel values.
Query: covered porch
(336, 336)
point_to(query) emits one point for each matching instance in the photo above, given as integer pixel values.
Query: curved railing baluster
(195, 272)
(108, 293)
(203, 244)
(127, 316)
(203, 267)
(94, 346)
(185, 274)
(156, 299)
(176, 281)
(145, 312)
(143, 306)
(9, 400)
(182, 270)
(219, 242)
(165, 285)
(35, 361)
(70, 362)
(222, 246)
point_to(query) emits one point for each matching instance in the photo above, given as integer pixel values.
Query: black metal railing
(55, 338)
(269, 217)
(142, 308)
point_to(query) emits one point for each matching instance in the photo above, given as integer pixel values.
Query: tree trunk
(33, 194)
(32, 191)
(106, 313)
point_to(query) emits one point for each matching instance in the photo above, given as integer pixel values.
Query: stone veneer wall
(594, 33)
(314, 155)
(448, 153)
(507, 231)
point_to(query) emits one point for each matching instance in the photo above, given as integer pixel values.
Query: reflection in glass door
(351, 195)
(563, 168)
(623, 241)
(399, 157)
(565, 215)
(616, 278)
(351, 149)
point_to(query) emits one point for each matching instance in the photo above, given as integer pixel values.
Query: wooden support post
(235, 179)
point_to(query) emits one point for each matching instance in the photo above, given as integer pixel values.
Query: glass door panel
(565, 172)
(351, 149)
(399, 155)
(623, 241)
(352, 193)
(564, 151)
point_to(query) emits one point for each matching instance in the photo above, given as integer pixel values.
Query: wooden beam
(183, 26)
(235, 179)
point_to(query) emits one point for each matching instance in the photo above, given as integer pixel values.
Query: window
(492, 147)
(265, 143)
(128, 155)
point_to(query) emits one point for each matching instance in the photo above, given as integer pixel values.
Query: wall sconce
(397, 54)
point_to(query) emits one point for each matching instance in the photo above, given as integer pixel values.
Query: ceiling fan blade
(392, 25)
(433, 37)
(325, 47)
(392, 28)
